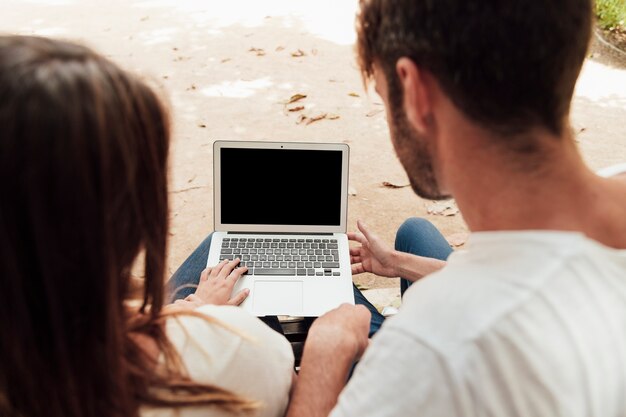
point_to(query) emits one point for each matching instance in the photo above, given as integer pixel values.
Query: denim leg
(377, 319)
(186, 278)
(420, 237)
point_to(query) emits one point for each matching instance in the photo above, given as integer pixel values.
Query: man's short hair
(509, 65)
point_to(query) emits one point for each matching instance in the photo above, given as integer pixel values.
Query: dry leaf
(443, 208)
(191, 179)
(301, 119)
(316, 118)
(387, 184)
(314, 51)
(202, 125)
(374, 113)
(165, 77)
(457, 239)
(259, 51)
(332, 116)
(295, 97)
(299, 53)
(174, 49)
(297, 108)
(279, 48)
(192, 87)
(353, 95)
(352, 191)
(225, 60)
(143, 19)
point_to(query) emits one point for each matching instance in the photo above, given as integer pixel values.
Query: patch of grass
(611, 14)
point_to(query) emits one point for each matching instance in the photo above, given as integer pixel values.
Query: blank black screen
(280, 186)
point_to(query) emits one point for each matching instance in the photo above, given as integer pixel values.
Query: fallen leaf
(143, 19)
(191, 179)
(387, 184)
(332, 116)
(316, 118)
(353, 95)
(279, 48)
(299, 53)
(202, 125)
(352, 191)
(297, 108)
(457, 239)
(192, 87)
(259, 51)
(165, 77)
(301, 119)
(374, 113)
(443, 208)
(314, 51)
(174, 49)
(225, 60)
(582, 129)
(296, 97)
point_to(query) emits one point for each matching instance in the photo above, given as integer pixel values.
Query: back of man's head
(508, 65)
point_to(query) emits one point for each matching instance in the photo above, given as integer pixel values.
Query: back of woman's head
(83, 161)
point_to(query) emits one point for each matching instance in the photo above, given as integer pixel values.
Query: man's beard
(415, 155)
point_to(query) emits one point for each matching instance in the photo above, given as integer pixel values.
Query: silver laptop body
(282, 209)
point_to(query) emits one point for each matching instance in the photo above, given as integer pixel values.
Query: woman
(83, 174)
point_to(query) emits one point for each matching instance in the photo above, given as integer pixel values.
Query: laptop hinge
(279, 233)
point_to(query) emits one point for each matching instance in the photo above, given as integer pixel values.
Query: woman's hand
(216, 285)
(373, 255)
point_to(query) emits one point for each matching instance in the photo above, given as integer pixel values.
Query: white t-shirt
(518, 324)
(257, 363)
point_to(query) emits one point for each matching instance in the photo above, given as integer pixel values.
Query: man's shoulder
(483, 287)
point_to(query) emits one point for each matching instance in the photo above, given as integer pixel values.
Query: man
(530, 319)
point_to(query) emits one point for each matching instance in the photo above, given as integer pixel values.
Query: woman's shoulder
(228, 347)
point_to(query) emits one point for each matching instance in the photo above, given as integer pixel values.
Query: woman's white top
(251, 360)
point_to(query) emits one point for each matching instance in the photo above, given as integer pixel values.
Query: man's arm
(413, 267)
(334, 342)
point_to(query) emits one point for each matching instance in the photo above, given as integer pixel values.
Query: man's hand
(216, 285)
(373, 255)
(345, 328)
(335, 341)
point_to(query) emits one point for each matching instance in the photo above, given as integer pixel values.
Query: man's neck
(557, 192)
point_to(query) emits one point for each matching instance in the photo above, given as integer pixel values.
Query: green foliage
(611, 14)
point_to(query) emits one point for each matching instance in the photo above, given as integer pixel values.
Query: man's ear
(417, 104)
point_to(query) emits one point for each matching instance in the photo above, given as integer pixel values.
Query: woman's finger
(239, 297)
(215, 271)
(228, 268)
(205, 274)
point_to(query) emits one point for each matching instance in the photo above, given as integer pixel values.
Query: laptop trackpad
(278, 297)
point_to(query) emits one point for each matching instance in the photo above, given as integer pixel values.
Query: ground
(227, 69)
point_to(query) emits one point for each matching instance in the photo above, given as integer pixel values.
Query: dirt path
(227, 67)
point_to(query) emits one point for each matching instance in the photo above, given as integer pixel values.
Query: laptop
(281, 208)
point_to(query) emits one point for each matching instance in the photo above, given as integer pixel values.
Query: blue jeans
(417, 236)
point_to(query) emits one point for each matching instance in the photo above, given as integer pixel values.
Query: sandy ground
(227, 68)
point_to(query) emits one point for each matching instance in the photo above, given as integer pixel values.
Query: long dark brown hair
(83, 191)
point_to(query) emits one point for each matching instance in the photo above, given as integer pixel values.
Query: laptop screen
(280, 186)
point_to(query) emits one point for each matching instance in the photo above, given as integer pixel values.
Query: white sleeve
(239, 353)
(398, 376)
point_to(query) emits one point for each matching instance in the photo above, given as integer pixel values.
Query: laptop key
(335, 274)
(301, 271)
(333, 246)
(310, 272)
(226, 251)
(326, 265)
(274, 271)
(319, 274)
(317, 265)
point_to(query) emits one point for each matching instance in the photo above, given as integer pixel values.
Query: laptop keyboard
(289, 257)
